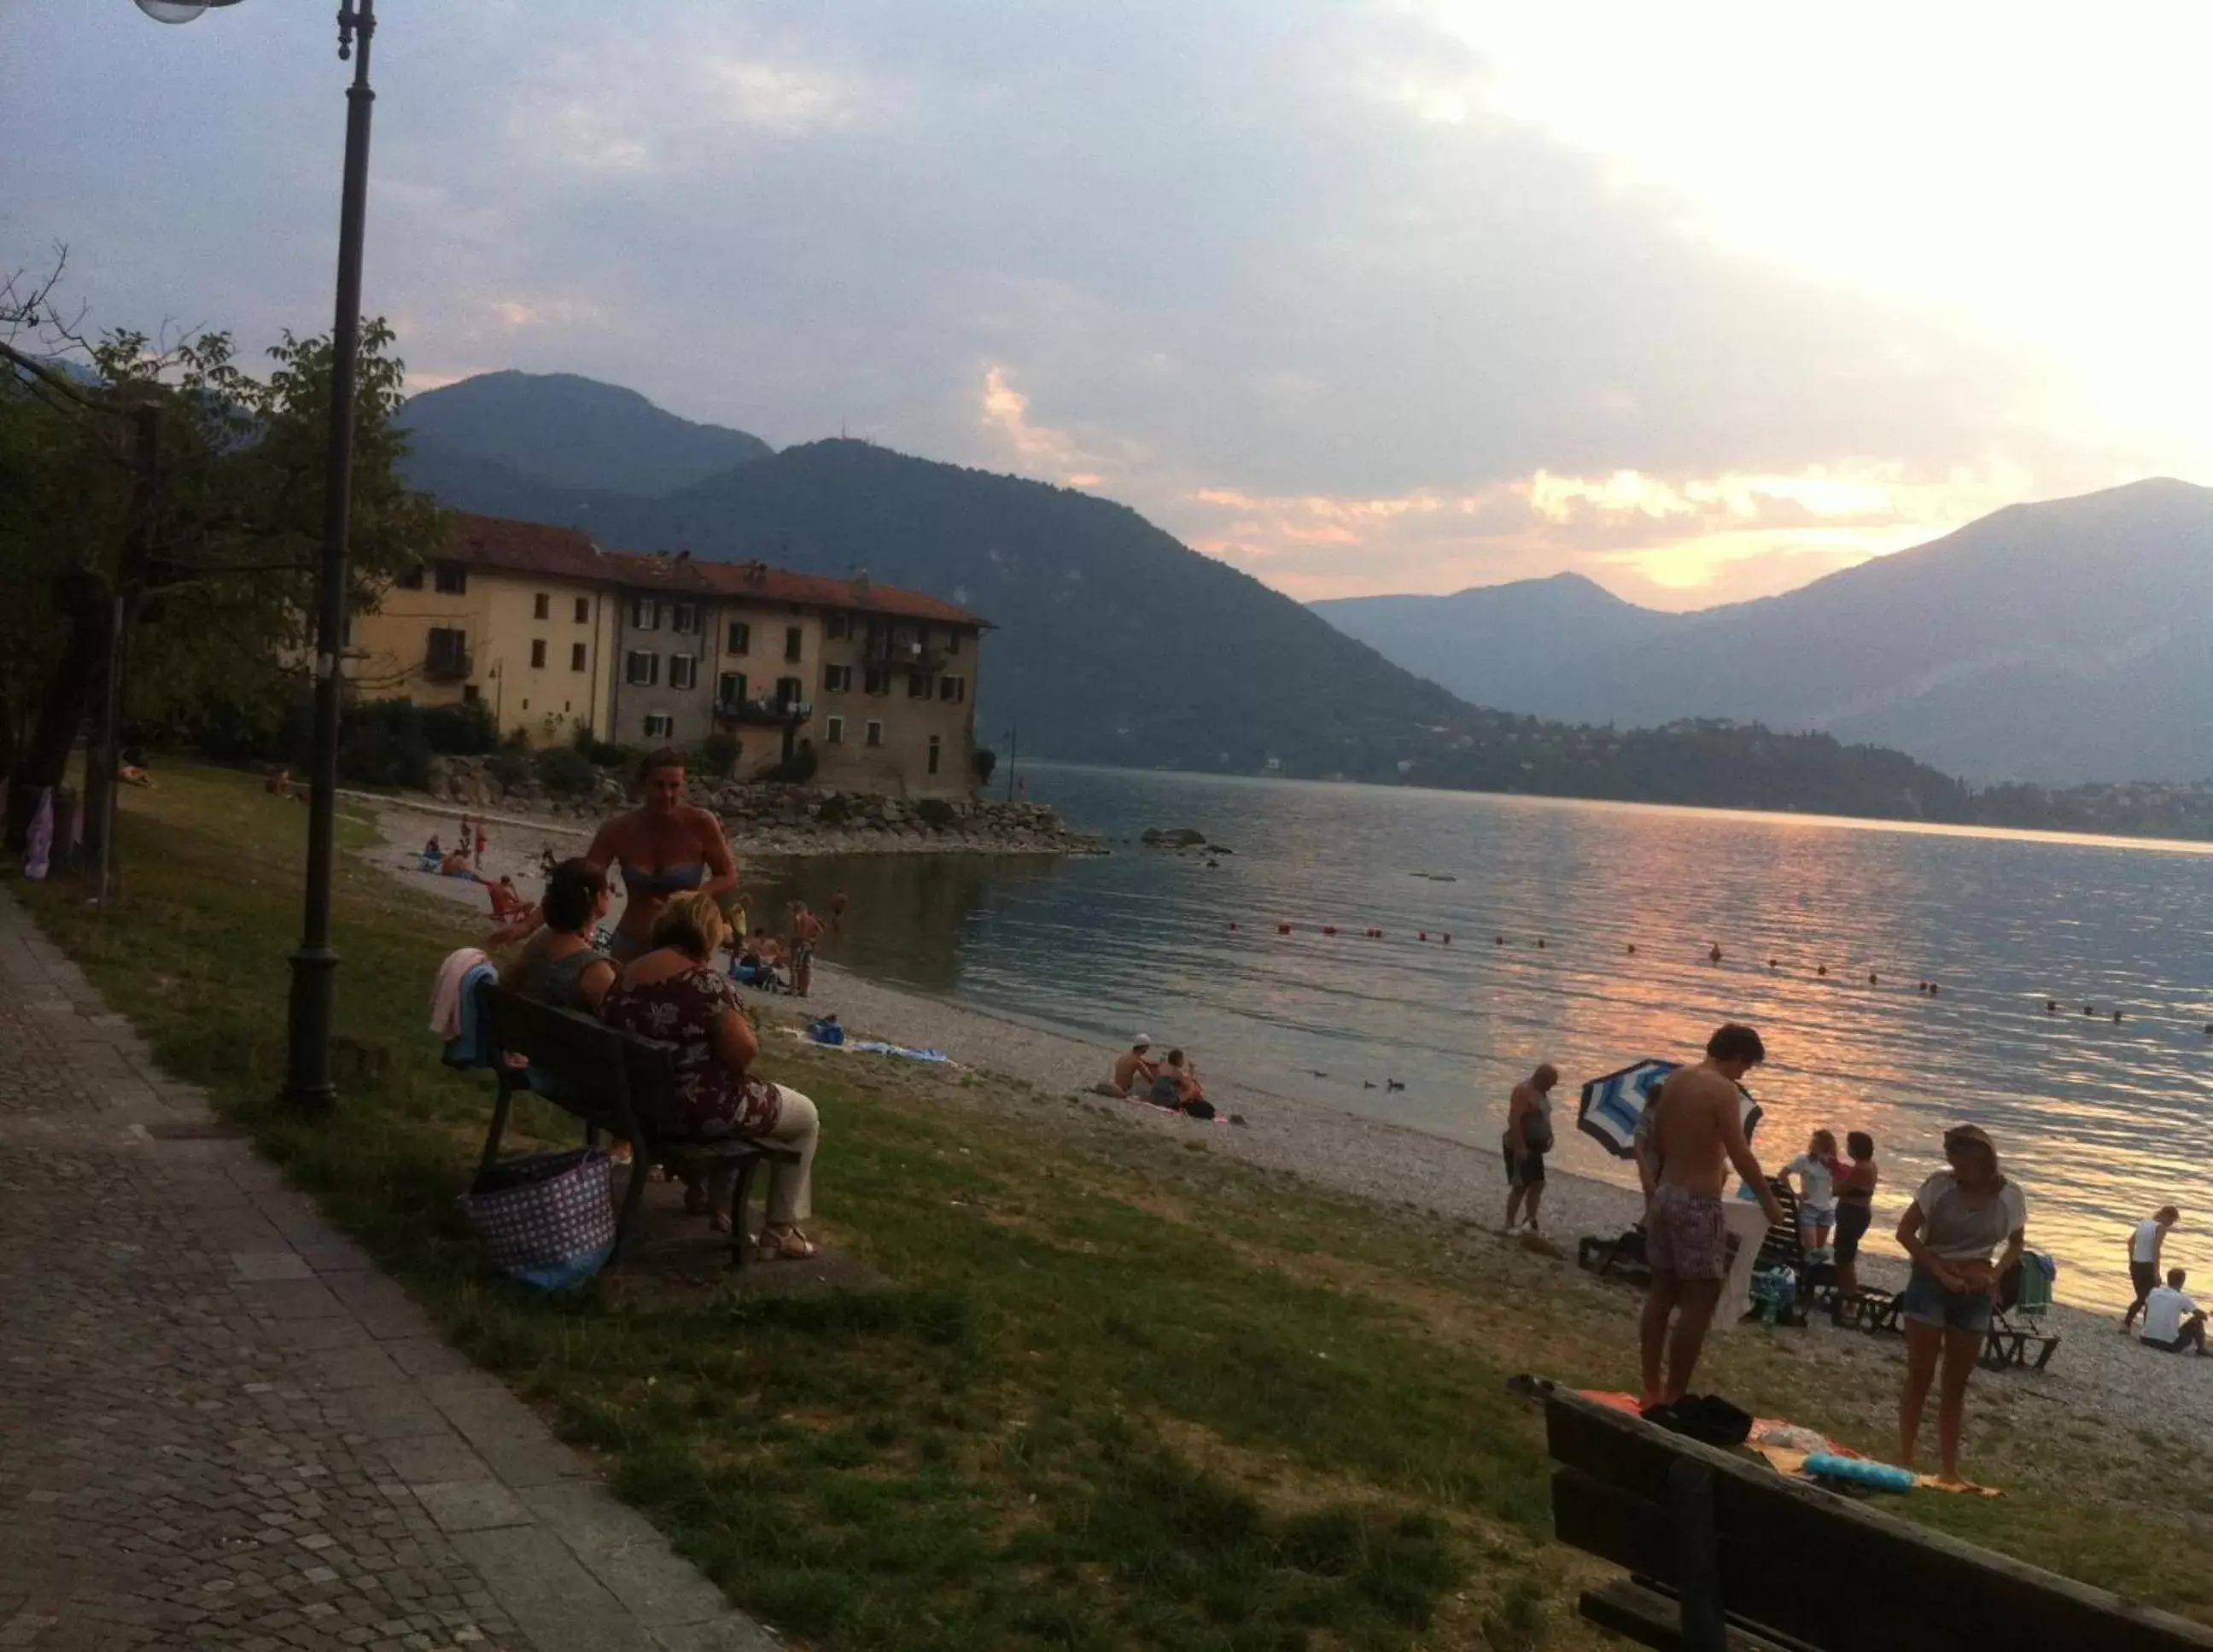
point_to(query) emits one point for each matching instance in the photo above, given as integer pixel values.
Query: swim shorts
(1523, 1167)
(1686, 1236)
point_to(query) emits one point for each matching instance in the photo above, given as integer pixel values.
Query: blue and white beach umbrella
(1614, 1105)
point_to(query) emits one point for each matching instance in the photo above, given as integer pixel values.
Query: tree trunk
(83, 599)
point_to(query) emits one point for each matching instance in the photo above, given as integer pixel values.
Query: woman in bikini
(663, 847)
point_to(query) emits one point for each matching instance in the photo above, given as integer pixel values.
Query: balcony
(448, 663)
(903, 656)
(774, 714)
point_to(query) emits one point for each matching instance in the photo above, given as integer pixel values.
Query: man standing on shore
(1528, 1123)
(1697, 1131)
(2146, 1245)
(806, 936)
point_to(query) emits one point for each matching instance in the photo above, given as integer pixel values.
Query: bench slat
(1644, 1615)
(1935, 1591)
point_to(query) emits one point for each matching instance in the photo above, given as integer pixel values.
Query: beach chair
(2017, 1338)
(1782, 1247)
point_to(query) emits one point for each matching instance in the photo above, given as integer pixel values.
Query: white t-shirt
(1953, 1233)
(1815, 1178)
(2163, 1312)
(2145, 1247)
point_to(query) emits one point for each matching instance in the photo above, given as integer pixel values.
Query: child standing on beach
(1817, 1172)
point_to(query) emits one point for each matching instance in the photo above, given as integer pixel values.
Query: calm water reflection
(2100, 1120)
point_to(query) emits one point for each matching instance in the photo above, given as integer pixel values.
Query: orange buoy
(1425, 935)
(1632, 950)
(1329, 928)
(1283, 928)
(1714, 953)
(1824, 969)
(1448, 938)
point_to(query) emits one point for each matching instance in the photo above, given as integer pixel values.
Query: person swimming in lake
(664, 847)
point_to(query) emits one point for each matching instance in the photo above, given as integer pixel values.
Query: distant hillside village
(553, 636)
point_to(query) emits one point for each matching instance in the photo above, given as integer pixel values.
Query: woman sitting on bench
(562, 964)
(675, 995)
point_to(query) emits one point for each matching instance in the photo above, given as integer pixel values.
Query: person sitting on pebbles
(1134, 1068)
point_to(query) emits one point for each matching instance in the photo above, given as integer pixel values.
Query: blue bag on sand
(547, 1219)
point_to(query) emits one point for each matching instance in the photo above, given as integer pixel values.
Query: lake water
(2101, 1121)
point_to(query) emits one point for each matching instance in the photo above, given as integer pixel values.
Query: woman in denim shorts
(1957, 1219)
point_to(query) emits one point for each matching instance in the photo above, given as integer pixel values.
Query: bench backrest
(599, 1070)
(1814, 1566)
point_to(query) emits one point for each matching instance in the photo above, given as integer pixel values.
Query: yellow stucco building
(552, 634)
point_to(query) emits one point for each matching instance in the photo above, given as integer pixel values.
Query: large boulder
(1172, 838)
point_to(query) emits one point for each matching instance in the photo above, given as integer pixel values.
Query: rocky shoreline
(778, 819)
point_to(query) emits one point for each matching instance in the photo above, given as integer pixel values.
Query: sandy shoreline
(2094, 1371)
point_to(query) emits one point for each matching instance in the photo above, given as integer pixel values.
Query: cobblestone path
(221, 1427)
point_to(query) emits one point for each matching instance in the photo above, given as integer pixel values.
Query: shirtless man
(1134, 1068)
(806, 936)
(1696, 1132)
(1524, 1165)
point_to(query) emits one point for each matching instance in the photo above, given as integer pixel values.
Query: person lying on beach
(1135, 1067)
(2172, 1321)
(1817, 1172)
(1696, 1133)
(673, 993)
(456, 865)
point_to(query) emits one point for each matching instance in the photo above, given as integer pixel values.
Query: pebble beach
(2095, 1371)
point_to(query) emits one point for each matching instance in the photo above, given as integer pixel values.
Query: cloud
(1668, 542)
(1325, 288)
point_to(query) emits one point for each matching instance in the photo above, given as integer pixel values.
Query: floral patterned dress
(681, 1012)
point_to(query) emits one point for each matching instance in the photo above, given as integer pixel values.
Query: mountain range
(2060, 642)
(1116, 643)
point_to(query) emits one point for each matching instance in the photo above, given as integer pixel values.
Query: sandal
(786, 1245)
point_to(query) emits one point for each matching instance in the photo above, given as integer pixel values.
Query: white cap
(1141, 1042)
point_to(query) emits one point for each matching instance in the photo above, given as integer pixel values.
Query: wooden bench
(1725, 1553)
(617, 1084)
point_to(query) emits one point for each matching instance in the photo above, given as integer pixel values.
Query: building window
(447, 653)
(833, 732)
(935, 747)
(837, 680)
(644, 614)
(789, 690)
(453, 579)
(538, 650)
(840, 625)
(875, 733)
(731, 691)
(642, 669)
(952, 690)
(412, 580)
(542, 606)
(683, 671)
(526, 705)
(659, 725)
(684, 617)
(577, 652)
(952, 642)
(877, 680)
(469, 695)
(917, 686)
(795, 641)
(742, 637)
(583, 611)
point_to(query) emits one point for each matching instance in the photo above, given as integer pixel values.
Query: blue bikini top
(667, 882)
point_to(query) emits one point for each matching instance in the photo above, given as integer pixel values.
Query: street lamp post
(307, 1082)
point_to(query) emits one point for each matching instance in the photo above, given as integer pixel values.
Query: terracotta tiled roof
(525, 547)
(757, 582)
(569, 553)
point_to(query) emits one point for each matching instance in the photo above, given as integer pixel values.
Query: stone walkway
(221, 1426)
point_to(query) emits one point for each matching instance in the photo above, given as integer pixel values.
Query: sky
(1703, 301)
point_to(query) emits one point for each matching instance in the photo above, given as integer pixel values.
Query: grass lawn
(1125, 1392)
